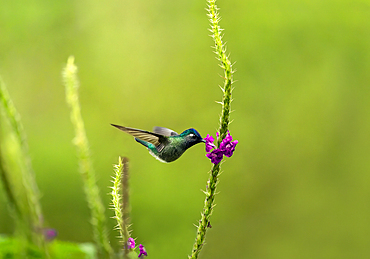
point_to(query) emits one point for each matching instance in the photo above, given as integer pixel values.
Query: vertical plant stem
(30, 212)
(120, 201)
(86, 169)
(116, 199)
(12, 201)
(225, 64)
(125, 201)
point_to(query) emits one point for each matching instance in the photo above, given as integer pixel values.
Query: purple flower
(142, 251)
(209, 143)
(215, 156)
(50, 234)
(228, 146)
(131, 243)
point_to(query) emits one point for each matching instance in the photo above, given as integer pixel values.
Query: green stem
(29, 211)
(125, 201)
(120, 202)
(13, 204)
(88, 175)
(225, 64)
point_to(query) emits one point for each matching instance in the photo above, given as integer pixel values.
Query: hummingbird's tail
(152, 149)
(146, 144)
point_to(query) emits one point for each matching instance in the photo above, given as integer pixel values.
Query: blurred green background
(298, 183)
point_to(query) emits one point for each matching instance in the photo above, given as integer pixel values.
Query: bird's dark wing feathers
(154, 138)
(164, 131)
(160, 147)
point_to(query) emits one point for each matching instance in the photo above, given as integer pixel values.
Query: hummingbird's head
(192, 137)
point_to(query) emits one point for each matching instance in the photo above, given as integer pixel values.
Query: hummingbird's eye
(192, 135)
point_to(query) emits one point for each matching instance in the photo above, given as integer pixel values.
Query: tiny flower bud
(142, 251)
(50, 234)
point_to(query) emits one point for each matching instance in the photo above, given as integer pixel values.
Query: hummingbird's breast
(173, 150)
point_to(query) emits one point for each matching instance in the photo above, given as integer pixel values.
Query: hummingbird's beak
(203, 140)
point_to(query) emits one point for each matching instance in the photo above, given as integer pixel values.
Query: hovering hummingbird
(164, 144)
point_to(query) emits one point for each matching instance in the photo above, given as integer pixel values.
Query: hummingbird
(164, 144)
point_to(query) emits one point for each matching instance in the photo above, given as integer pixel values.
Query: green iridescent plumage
(164, 144)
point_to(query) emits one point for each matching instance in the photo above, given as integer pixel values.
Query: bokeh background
(298, 183)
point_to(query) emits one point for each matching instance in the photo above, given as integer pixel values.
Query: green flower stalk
(27, 204)
(12, 201)
(225, 64)
(91, 189)
(125, 200)
(116, 200)
(120, 202)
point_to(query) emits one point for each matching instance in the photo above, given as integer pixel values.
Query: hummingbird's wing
(154, 138)
(164, 131)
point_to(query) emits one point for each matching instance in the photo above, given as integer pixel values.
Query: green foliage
(62, 250)
(15, 248)
(10, 247)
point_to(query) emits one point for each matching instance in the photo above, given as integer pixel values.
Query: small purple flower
(228, 146)
(50, 234)
(142, 251)
(131, 243)
(209, 143)
(215, 156)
